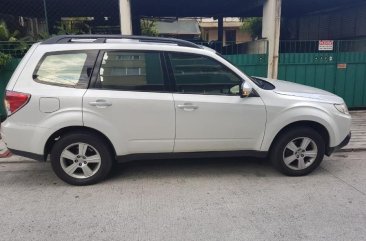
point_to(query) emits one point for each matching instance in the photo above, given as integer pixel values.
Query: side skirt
(183, 155)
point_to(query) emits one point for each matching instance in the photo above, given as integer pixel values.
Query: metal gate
(250, 57)
(341, 69)
(251, 64)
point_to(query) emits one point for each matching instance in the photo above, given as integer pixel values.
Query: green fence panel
(342, 73)
(251, 64)
(351, 78)
(351, 84)
(5, 75)
(319, 76)
(360, 86)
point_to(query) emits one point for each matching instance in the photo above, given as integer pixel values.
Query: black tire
(279, 147)
(93, 141)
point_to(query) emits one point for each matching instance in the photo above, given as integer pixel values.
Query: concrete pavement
(196, 199)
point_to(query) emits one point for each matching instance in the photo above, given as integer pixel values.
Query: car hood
(298, 90)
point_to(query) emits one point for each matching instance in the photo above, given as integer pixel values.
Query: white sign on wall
(326, 45)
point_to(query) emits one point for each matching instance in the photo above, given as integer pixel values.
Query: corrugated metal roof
(164, 8)
(226, 24)
(180, 26)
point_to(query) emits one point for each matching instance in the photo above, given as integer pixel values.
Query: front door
(210, 114)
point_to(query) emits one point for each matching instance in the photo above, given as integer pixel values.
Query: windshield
(261, 83)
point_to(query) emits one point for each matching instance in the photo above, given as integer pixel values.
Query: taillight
(14, 101)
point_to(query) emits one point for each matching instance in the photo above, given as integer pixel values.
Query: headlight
(342, 108)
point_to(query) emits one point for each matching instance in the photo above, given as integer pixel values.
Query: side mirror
(245, 89)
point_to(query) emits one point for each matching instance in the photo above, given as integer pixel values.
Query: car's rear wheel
(81, 158)
(298, 151)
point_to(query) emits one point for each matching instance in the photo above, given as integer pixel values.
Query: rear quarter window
(69, 69)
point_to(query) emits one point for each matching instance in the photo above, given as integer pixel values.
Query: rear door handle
(100, 103)
(187, 107)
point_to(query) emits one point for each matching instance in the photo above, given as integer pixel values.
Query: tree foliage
(72, 26)
(4, 59)
(14, 42)
(148, 27)
(5, 34)
(253, 26)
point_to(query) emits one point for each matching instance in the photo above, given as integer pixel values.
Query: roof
(165, 8)
(178, 27)
(232, 8)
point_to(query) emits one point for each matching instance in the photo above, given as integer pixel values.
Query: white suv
(90, 100)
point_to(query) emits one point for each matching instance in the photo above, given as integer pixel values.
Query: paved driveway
(220, 199)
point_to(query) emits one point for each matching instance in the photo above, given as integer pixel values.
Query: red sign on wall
(326, 45)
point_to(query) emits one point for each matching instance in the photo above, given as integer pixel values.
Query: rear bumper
(23, 138)
(344, 143)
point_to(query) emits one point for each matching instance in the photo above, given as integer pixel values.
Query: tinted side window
(135, 71)
(70, 69)
(202, 75)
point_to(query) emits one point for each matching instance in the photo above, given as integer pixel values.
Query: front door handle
(187, 107)
(100, 103)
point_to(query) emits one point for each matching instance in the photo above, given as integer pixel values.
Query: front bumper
(344, 143)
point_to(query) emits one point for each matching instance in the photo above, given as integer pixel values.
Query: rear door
(129, 102)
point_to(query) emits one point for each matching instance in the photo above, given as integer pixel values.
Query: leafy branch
(148, 27)
(253, 26)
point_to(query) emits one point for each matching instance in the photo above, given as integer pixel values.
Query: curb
(352, 150)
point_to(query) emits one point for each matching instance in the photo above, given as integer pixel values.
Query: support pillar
(46, 17)
(125, 17)
(220, 31)
(271, 31)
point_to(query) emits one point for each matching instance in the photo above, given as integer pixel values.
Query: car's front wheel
(81, 158)
(298, 151)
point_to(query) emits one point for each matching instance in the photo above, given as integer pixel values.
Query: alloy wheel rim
(300, 153)
(80, 160)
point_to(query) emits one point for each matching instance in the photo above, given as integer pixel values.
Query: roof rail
(97, 38)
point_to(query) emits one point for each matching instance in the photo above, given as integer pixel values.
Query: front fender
(277, 120)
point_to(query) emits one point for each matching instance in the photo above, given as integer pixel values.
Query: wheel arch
(321, 129)
(72, 129)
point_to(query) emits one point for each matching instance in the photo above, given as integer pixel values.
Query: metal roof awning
(231, 8)
(178, 27)
(165, 8)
